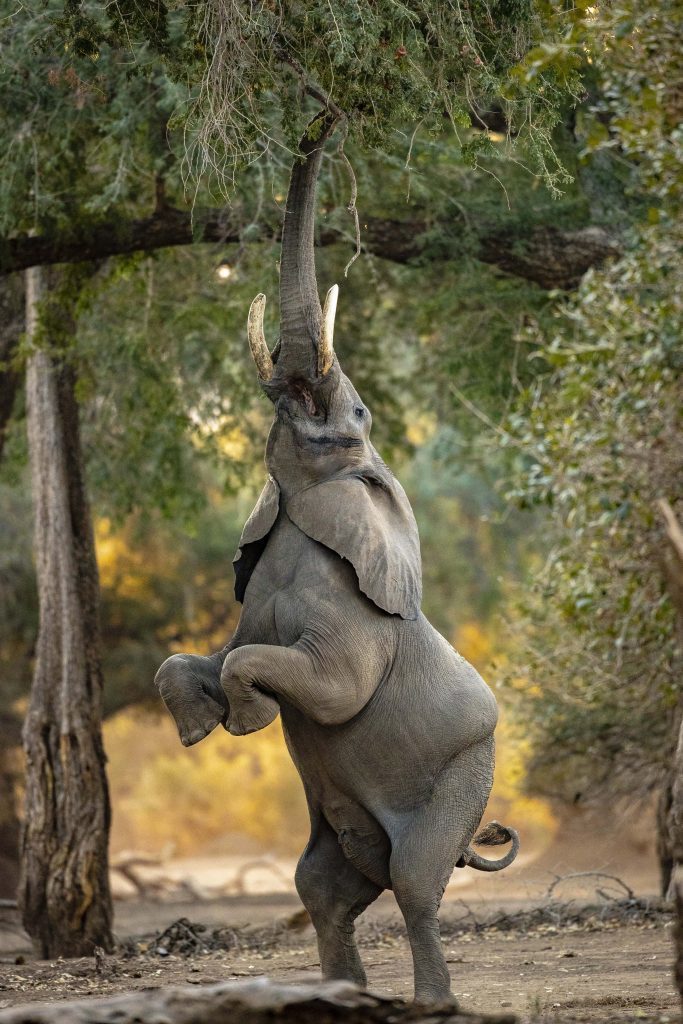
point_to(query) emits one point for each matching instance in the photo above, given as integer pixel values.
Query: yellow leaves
(532, 816)
(214, 793)
(234, 444)
(109, 548)
(472, 641)
(421, 429)
(127, 568)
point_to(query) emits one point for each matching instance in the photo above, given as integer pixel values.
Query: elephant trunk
(301, 316)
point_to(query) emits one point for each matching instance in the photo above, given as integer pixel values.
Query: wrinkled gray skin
(390, 729)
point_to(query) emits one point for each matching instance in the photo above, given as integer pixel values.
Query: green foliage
(600, 440)
(173, 422)
(80, 133)
(386, 65)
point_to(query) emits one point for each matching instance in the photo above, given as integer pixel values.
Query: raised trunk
(300, 311)
(64, 887)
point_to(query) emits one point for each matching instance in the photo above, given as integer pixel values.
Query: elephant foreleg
(329, 684)
(191, 689)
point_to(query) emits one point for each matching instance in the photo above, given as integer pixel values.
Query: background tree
(64, 886)
(599, 439)
(163, 378)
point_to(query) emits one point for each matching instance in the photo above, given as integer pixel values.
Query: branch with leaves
(548, 256)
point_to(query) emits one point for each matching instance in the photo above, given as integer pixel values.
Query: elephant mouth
(298, 404)
(328, 441)
(303, 395)
(322, 443)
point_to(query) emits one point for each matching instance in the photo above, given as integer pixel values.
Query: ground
(547, 939)
(549, 960)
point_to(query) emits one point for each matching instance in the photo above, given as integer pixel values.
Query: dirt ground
(541, 960)
(546, 939)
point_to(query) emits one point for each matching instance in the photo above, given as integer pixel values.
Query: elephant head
(333, 483)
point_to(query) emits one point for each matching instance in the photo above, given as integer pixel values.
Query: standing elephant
(391, 730)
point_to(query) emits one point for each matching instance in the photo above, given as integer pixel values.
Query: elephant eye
(359, 411)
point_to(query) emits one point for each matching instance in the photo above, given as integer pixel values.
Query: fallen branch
(250, 1002)
(158, 887)
(591, 874)
(238, 884)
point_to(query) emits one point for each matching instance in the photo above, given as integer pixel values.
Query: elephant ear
(255, 536)
(368, 521)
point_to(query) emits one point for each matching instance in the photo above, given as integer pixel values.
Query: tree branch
(547, 256)
(251, 1002)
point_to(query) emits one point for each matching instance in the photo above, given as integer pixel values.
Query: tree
(673, 571)
(64, 887)
(598, 440)
(99, 172)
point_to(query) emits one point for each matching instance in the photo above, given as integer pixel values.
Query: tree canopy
(599, 441)
(130, 128)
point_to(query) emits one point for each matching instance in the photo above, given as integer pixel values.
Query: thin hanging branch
(352, 208)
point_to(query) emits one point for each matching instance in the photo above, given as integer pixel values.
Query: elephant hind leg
(425, 847)
(335, 893)
(191, 690)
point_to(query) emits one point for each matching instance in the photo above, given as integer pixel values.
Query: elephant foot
(195, 713)
(436, 1001)
(198, 721)
(252, 713)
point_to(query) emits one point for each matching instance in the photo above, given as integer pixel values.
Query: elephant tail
(493, 834)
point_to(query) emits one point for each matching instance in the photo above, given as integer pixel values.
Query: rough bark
(546, 255)
(64, 887)
(676, 821)
(664, 843)
(673, 566)
(250, 1002)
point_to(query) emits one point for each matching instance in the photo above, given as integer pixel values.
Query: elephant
(390, 729)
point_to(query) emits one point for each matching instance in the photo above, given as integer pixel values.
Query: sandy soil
(593, 969)
(510, 944)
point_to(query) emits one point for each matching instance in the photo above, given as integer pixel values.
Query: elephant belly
(431, 706)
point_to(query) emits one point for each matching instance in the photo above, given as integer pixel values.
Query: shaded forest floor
(562, 960)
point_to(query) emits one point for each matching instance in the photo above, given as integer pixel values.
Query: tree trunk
(673, 566)
(64, 888)
(677, 858)
(665, 852)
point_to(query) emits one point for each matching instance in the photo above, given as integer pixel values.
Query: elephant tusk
(257, 338)
(326, 346)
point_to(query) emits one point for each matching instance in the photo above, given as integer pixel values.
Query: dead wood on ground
(251, 1002)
